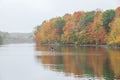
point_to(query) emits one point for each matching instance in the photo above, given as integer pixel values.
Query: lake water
(28, 62)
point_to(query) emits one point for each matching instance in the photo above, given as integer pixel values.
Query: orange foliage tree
(80, 28)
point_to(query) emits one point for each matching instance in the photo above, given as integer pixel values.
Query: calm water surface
(28, 62)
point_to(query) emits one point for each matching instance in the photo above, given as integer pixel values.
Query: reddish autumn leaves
(93, 27)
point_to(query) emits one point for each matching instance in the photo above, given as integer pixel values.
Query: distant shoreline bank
(82, 45)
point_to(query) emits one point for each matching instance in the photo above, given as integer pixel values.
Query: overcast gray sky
(24, 15)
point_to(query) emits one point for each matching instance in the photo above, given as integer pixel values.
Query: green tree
(108, 17)
(82, 37)
(88, 18)
(59, 24)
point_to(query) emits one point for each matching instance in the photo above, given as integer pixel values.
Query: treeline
(7, 38)
(93, 27)
(1, 39)
(3, 36)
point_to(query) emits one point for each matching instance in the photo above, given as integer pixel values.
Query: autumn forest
(93, 27)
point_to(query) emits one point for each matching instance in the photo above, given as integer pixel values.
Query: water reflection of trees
(83, 61)
(114, 56)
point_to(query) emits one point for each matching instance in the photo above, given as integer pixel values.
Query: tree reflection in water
(82, 61)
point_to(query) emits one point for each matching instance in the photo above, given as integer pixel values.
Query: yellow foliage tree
(114, 37)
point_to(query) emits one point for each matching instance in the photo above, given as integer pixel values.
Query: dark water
(27, 62)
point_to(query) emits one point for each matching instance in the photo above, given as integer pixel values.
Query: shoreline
(82, 45)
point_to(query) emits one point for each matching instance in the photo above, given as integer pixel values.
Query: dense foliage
(108, 16)
(93, 27)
